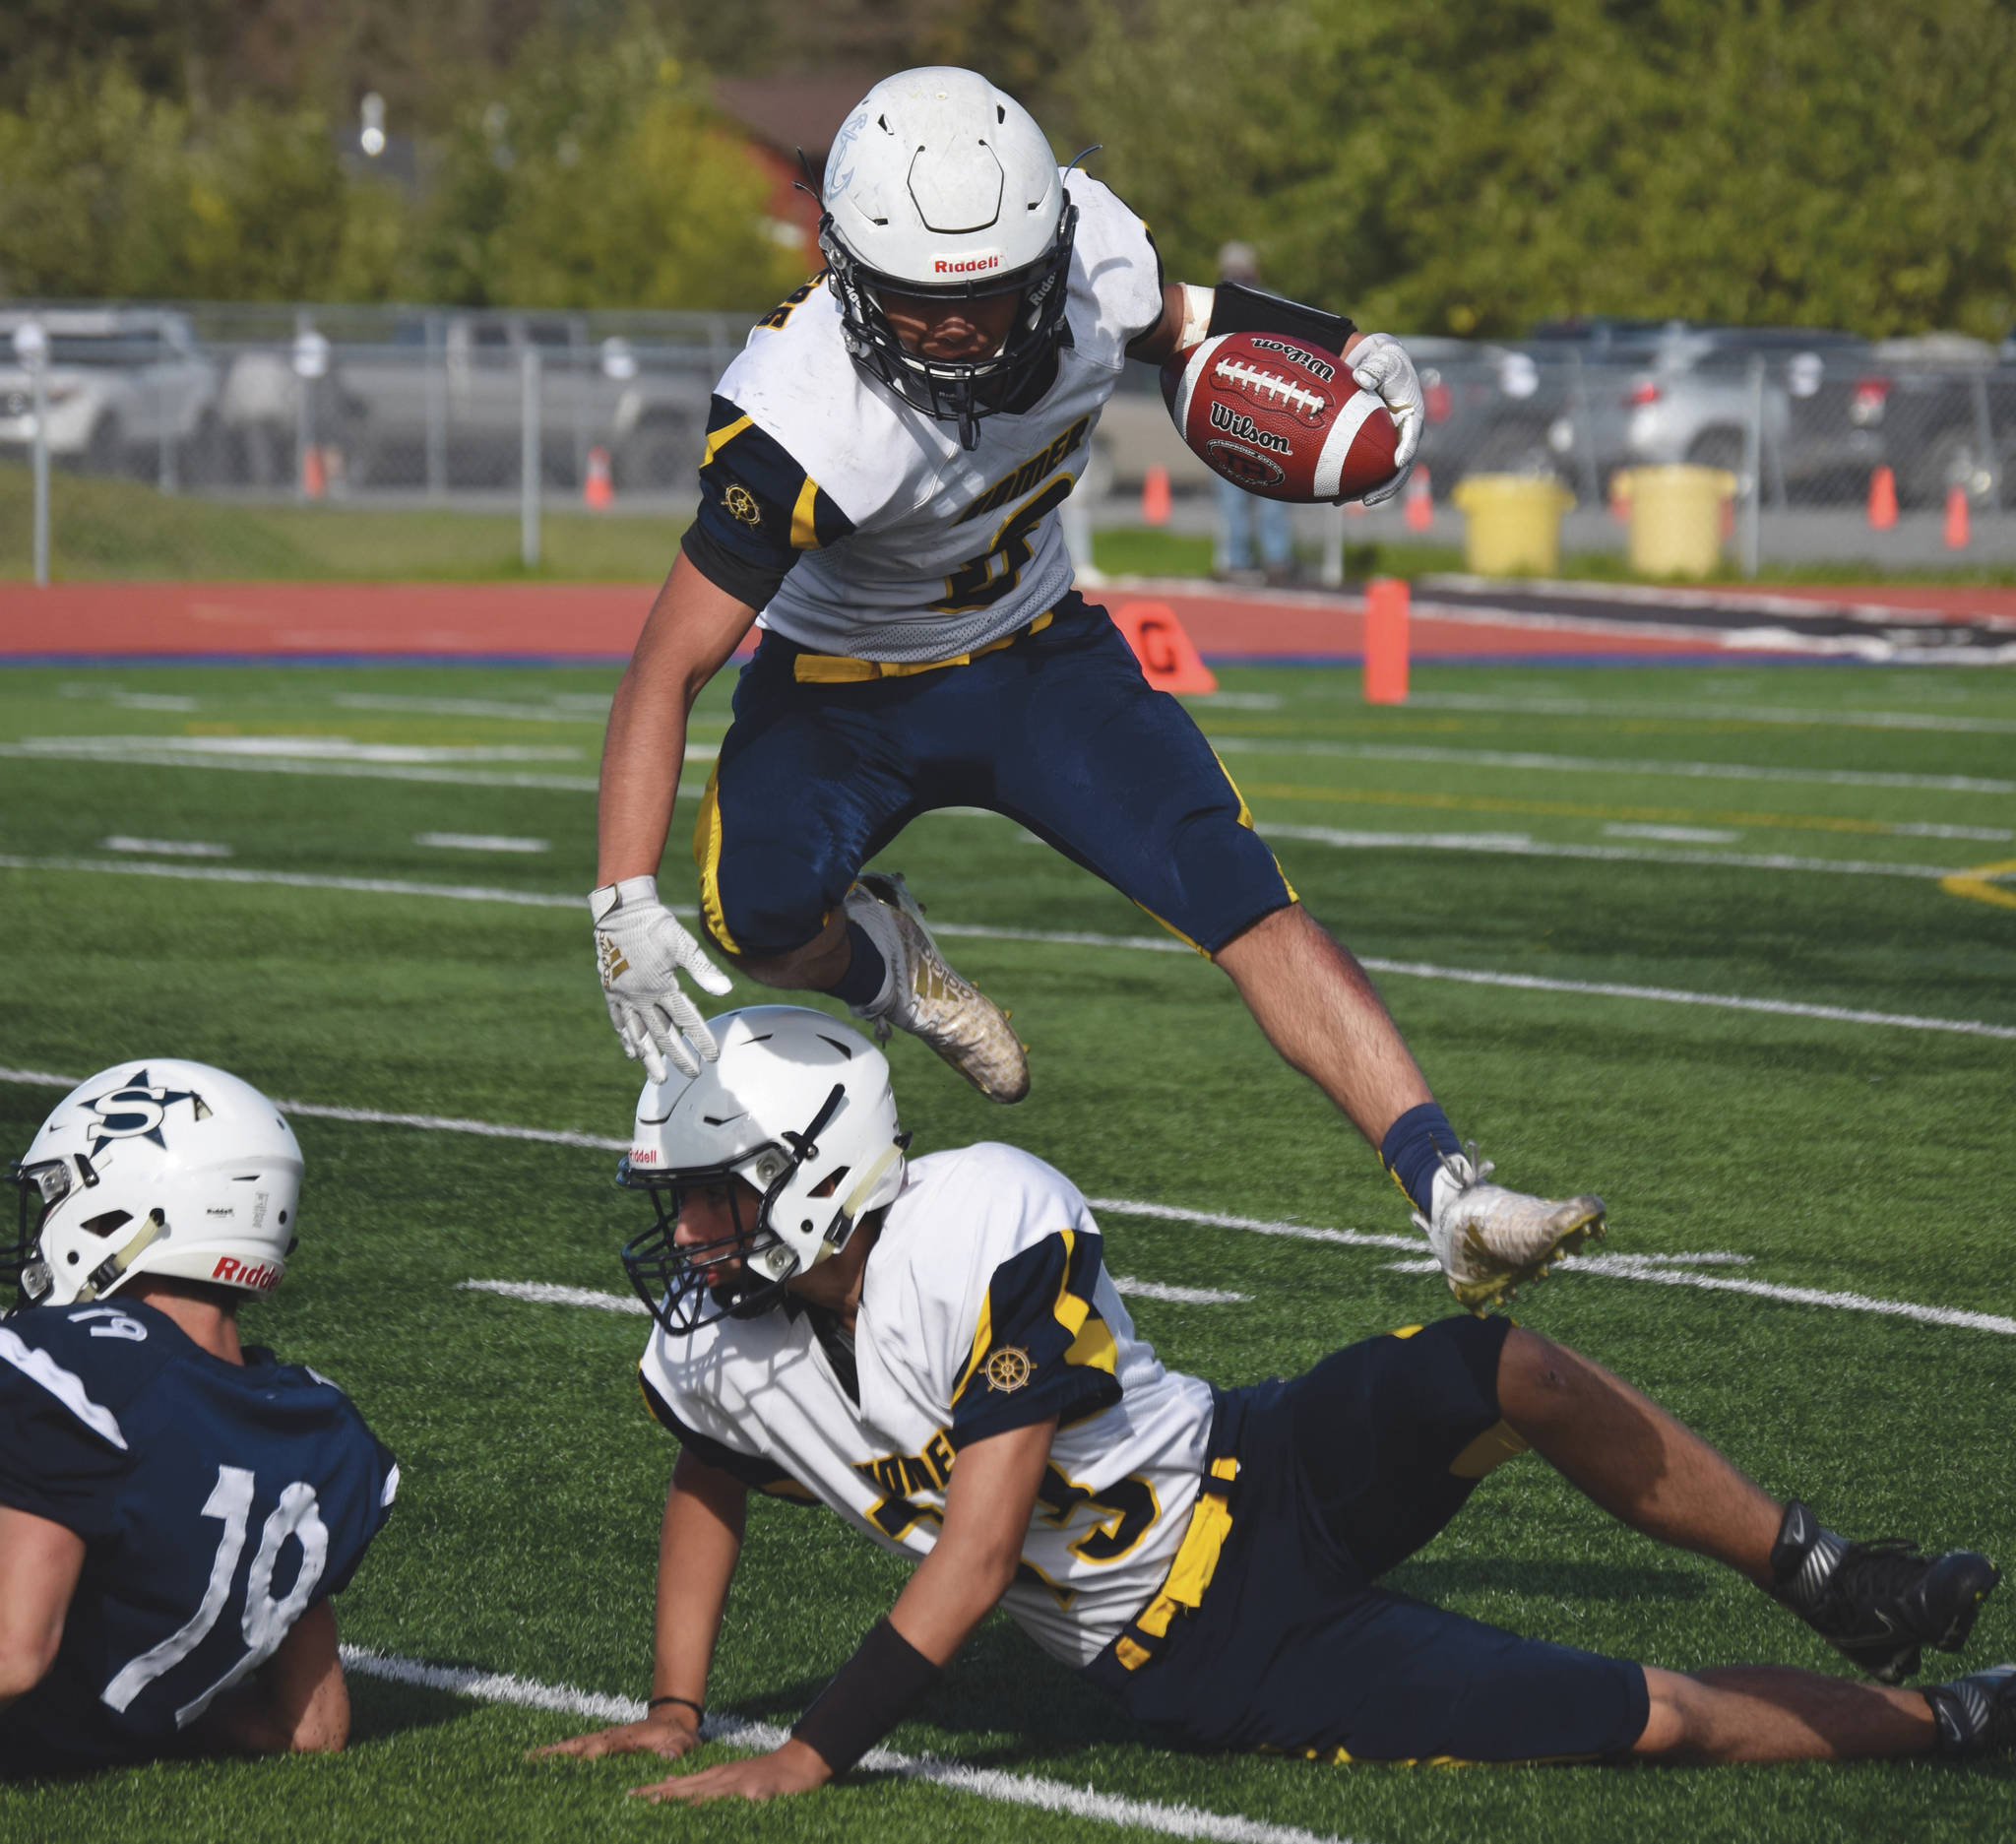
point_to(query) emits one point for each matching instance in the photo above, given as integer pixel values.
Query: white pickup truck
(121, 383)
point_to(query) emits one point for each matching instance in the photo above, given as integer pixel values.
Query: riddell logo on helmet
(965, 266)
(261, 1276)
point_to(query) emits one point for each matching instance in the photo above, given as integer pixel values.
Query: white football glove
(640, 947)
(1380, 364)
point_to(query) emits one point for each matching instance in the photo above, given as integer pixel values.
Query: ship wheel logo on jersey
(1008, 1369)
(741, 505)
(135, 1111)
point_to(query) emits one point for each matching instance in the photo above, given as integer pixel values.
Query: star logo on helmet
(135, 1111)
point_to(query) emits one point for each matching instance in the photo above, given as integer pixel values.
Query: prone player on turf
(881, 480)
(936, 1353)
(175, 1508)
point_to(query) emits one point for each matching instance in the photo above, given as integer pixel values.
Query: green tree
(1447, 168)
(600, 177)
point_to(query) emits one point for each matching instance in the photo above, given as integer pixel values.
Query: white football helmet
(155, 1167)
(799, 1105)
(940, 185)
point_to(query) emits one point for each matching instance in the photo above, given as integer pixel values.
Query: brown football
(1280, 417)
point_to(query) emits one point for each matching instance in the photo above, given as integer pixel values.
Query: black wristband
(868, 1697)
(1236, 308)
(698, 1714)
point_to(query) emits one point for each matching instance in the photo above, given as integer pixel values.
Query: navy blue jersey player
(175, 1508)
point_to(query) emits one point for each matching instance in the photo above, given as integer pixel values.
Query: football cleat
(925, 997)
(1490, 1241)
(1877, 1603)
(1975, 1714)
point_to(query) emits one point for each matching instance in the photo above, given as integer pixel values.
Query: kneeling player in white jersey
(882, 478)
(935, 1351)
(175, 1509)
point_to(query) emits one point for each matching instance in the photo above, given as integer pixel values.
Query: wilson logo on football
(1237, 422)
(1271, 389)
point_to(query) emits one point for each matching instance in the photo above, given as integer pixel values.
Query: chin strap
(108, 1271)
(871, 1177)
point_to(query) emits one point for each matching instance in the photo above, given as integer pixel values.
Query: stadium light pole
(31, 347)
(529, 459)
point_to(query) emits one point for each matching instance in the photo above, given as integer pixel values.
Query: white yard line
(163, 848)
(160, 757)
(731, 1731)
(1603, 765)
(1626, 1267)
(480, 842)
(292, 748)
(1519, 844)
(550, 1294)
(1715, 713)
(1145, 945)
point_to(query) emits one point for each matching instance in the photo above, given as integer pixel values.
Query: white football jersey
(985, 1306)
(944, 548)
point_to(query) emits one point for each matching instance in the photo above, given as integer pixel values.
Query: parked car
(1942, 407)
(120, 383)
(453, 384)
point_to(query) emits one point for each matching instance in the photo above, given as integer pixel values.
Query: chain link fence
(445, 405)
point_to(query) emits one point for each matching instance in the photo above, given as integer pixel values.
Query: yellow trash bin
(1512, 523)
(1676, 518)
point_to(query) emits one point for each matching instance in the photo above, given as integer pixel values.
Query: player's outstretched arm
(699, 1544)
(40, 1563)
(987, 1508)
(641, 947)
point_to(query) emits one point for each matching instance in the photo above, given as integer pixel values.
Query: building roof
(791, 112)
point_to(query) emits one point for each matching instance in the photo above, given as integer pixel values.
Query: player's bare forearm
(297, 1704)
(987, 1508)
(691, 631)
(699, 1544)
(40, 1563)
(1165, 338)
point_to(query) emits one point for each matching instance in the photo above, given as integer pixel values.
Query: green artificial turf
(1851, 1158)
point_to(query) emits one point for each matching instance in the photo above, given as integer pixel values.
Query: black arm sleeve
(1236, 308)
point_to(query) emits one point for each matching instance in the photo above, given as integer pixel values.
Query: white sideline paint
(163, 848)
(1715, 713)
(990, 1783)
(293, 748)
(567, 708)
(151, 757)
(480, 842)
(1660, 1268)
(1672, 835)
(1603, 765)
(548, 1294)
(977, 931)
(1520, 845)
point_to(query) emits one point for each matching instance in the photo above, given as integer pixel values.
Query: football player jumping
(175, 1509)
(936, 1353)
(881, 481)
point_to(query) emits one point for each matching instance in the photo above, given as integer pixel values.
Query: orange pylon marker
(1154, 496)
(1420, 501)
(314, 471)
(1386, 599)
(1169, 660)
(1882, 500)
(1957, 532)
(597, 491)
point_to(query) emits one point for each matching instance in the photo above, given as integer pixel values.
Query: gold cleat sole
(1479, 1296)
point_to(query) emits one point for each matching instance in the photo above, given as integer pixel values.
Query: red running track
(196, 621)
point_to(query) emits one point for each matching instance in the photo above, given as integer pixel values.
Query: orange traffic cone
(1957, 532)
(314, 474)
(1386, 599)
(1169, 660)
(597, 491)
(1420, 502)
(1882, 500)
(1154, 496)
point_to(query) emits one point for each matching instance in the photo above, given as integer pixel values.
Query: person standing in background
(1245, 521)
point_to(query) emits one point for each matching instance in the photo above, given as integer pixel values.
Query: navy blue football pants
(1058, 731)
(1343, 1472)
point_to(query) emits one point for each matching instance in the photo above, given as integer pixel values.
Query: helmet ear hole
(107, 1221)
